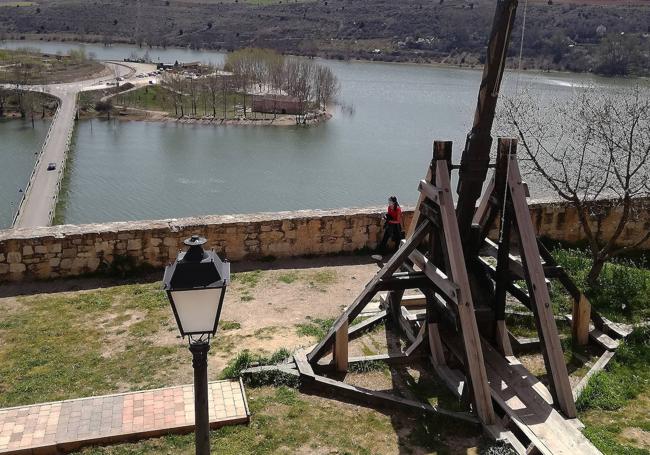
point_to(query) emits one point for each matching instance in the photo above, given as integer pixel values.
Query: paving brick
(93, 420)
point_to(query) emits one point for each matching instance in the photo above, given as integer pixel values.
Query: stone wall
(65, 251)
(70, 250)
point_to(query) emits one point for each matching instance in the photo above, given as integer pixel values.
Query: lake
(19, 144)
(377, 145)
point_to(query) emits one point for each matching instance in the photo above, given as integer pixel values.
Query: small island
(253, 87)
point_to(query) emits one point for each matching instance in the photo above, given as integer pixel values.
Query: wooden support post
(502, 277)
(433, 331)
(394, 301)
(441, 150)
(539, 295)
(581, 316)
(458, 271)
(341, 348)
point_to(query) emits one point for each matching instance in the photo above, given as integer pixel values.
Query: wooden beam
(539, 295)
(370, 290)
(482, 212)
(376, 398)
(435, 344)
(390, 359)
(303, 365)
(341, 348)
(502, 279)
(419, 340)
(502, 338)
(581, 317)
(458, 271)
(442, 282)
(393, 304)
(600, 364)
(432, 192)
(441, 149)
(358, 329)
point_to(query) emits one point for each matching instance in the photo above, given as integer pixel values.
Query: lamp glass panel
(197, 309)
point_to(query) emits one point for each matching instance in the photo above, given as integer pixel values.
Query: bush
(628, 375)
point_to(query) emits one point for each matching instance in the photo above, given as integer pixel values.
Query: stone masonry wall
(71, 250)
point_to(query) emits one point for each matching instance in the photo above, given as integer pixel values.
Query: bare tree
(175, 83)
(326, 86)
(593, 150)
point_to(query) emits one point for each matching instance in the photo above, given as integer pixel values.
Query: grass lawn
(122, 337)
(29, 66)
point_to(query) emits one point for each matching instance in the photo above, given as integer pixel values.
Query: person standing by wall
(392, 225)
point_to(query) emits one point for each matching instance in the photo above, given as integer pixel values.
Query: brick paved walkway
(67, 425)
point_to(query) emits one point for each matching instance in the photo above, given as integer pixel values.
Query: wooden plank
(371, 288)
(617, 329)
(271, 368)
(491, 249)
(538, 291)
(417, 280)
(601, 339)
(393, 304)
(469, 328)
(303, 365)
(340, 353)
(405, 325)
(600, 364)
(435, 344)
(502, 279)
(390, 359)
(510, 386)
(580, 320)
(419, 340)
(482, 212)
(432, 192)
(414, 301)
(357, 330)
(502, 338)
(377, 398)
(444, 284)
(440, 150)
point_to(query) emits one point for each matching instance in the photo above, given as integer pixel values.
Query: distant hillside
(605, 36)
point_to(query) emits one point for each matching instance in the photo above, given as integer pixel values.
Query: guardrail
(36, 165)
(66, 149)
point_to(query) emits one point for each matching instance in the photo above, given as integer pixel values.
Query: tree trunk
(596, 269)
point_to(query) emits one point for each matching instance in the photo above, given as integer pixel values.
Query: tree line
(253, 71)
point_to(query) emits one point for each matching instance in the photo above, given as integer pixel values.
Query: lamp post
(196, 284)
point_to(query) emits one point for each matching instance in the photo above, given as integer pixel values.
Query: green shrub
(628, 375)
(316, 328)
(622, 292)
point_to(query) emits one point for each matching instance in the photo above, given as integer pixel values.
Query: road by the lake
(40, 197)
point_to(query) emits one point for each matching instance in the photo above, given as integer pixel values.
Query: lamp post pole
(199, 352)
(196, 284)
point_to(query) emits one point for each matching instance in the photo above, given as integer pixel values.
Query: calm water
(18, 144)
(380, 144)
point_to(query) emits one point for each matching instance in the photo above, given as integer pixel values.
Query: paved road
(39, 201)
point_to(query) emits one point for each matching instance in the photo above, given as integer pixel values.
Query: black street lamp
(196, 284)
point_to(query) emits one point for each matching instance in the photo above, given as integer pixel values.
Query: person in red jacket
(392, 225)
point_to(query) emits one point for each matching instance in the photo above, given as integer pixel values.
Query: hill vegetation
(602, 36)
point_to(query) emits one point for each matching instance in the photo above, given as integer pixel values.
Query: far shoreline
(531, 70)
